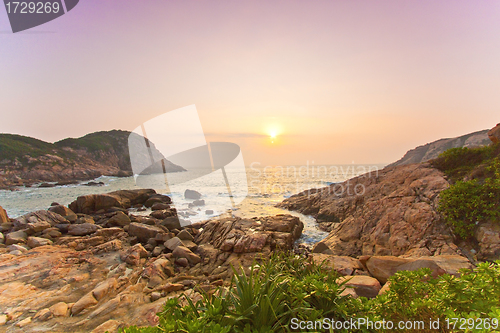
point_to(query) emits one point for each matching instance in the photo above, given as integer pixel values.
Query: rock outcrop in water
(25, 161)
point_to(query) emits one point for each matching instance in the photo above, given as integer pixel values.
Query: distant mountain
(432, 150)
(25, 160)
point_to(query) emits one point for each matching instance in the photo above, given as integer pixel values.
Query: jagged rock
(494, 134)
(111, 246)
(192, 194)
(38, 241)
(184, 252)
(43, 315)
(364, 286)
(386, 212)
(251, 235)
(119, 219)
(185, 235)
(157, 198)
(82, 229)
(16, 237)
(134, 254)
(85, 302)
(4, 218)
(38, 226)
(36, 217)
(321, 247)
(172, 243)
(63, 211)
(143, 232)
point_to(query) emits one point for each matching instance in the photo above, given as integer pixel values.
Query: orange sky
(339, 81)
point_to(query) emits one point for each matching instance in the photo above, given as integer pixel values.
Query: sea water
(267, 186)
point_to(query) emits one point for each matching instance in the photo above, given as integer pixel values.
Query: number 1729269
(16, 7)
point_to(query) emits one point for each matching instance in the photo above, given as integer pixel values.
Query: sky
(335, 82)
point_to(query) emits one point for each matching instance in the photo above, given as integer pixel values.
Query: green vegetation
(286, 287)
(99, 141)
(474, 195)
(12, 146)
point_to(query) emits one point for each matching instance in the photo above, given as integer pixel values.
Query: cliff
(25, 160)
(432, 150)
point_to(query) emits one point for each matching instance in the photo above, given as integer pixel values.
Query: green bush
(465, 203)
(286, 287)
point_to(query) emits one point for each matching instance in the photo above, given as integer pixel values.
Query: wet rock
(82, 229)
(184, 252)
(364, 286)
(143, 232)
(38, 241)
(191, 194)
(16, 237)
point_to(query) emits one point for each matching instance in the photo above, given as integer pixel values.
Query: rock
(59, 309)
(43, 315)
(172, 243)
(17, 247)
(488, 236)
(385, 288)
(157, 198)
(191, 194)
(383, 267)
(24, 322)
(184, 252)
(183, 262)
(163, 214)
(383, 212)
(321, 247)
(82, 229)
(209, 212)
(16, 237)
(155, 296)
(103, 288)
(84, 219)
(38, 241)
(171, 287)
(160, 206)
(199, 202)
(124, 199)
(342, 264)
(62, 210)
(120, 219)
(4, 218)
(171, 223)
(494, 134)
(365, 286)
(185, 235)
(46, 185)
(111, 246)
(38, 226)
(3, 319)
(108, 326)
(143, 232)
(83, 303)
(38, 217)
(133, 255)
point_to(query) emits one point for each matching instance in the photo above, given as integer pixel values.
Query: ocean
(264, 188)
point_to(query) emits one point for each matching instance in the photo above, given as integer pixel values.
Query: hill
(432, 150)
(25, 160)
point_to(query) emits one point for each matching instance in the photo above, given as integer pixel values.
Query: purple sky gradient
(340, 81)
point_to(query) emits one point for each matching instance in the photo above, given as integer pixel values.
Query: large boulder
(494, 134)
(3, 216)
(16, 237)
(143, 232)
(383, 267)
(342, 264)
(88, 204)
(192, 194)
(364, 286)
(63, 211)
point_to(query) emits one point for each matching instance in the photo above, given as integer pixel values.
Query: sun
(273, 135)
